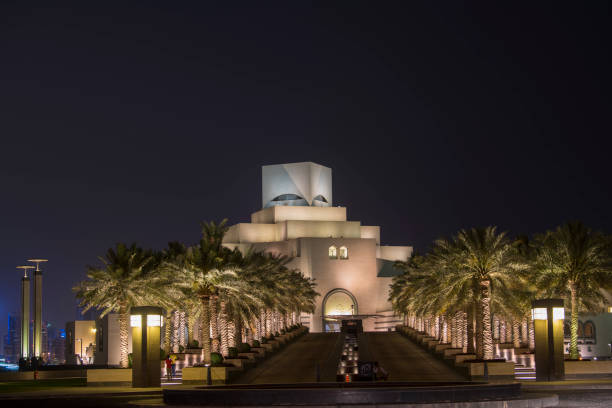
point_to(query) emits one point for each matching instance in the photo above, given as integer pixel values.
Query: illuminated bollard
(146, 323)
(548, 316)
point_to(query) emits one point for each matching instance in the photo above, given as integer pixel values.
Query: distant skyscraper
(58, 348)
(12, 340)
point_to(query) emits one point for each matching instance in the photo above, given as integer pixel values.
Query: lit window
(343, 252)
(333, 252)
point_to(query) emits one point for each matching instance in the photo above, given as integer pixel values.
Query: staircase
(522, 373)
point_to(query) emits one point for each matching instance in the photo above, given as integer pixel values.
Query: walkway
(297, 362)
(404, 360)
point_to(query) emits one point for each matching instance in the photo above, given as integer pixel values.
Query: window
(333, 252)
(343, 252)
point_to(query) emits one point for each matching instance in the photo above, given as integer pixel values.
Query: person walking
(173, 358)
(168, 367)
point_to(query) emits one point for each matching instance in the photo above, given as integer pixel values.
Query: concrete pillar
(37, 328)
(25, 312)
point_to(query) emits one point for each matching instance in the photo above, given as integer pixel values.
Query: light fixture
(155, 320)
(558, 313)
(136, 321)
(539, 313)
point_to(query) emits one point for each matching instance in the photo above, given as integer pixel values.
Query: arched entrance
(338, 302)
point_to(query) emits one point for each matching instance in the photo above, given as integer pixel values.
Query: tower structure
(25, 312)
(37, 329)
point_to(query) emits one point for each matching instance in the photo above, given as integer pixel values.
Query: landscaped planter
(450, 352)
(42, 375)
(441, 347)
(199, 375)
(431, 344)
(586, 369)
(250, 355)
(460, 358)
(237, 362)
(501, 370)
(261, 351)
(109, 376)
(269, 347)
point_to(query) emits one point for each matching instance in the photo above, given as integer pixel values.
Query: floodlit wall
(371, 231)
(276, 214)
(255, 233)
(395, 253)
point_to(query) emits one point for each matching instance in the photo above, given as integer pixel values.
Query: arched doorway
(338, 302)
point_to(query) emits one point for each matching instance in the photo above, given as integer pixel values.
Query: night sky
(135, 121)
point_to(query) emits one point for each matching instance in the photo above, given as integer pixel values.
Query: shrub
(256, 343)
(244, 348)
(216, 358)
(232, 352)
(130, 360)
(181, 348)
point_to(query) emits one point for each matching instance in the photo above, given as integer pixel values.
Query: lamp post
(548, 317)
(146, 323)
(25, 312)
(37, 330)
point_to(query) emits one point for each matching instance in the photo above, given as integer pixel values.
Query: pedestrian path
(311, 356)
(404, 360)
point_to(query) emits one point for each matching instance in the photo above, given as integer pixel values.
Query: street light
(146, 323)
(548, 316)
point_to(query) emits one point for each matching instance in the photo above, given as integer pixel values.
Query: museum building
(351, 268)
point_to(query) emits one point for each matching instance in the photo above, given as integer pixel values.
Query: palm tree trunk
(262, 323)
(205, 329)
(502, 331)
(496, 328)
(190, 328)
(524, 331)
(531, 335)
(516, 336)
(269, 326)
(470, 330)
(464, 337)
(238, 332)
(175, 331)
(485, 306)
(257, 322)
(573, 323)
(453, 330)
(231, 333)
(223, 329)
(123, 336)
(214, 324)
(168, 332)
(182, 327)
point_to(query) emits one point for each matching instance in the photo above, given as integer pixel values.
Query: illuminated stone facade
(352, 269)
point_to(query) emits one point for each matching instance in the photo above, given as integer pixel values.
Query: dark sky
(134, 121)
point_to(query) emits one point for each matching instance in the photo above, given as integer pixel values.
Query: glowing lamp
(136, 321)
(539, 313)
(548, 317)
(146, 322)
(558, 313)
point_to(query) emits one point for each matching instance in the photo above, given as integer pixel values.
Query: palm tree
(574, 262)
(489, 261)
(127, 278)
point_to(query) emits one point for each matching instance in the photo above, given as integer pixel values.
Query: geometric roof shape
(281, 183)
